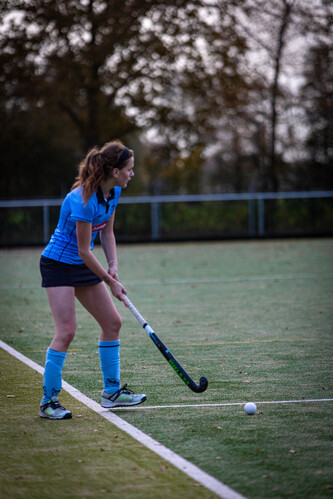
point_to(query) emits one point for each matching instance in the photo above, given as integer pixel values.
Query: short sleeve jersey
(63, 245)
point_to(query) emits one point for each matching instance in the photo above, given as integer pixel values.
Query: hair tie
(125, 155)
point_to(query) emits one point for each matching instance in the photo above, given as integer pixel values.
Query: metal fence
(257, 208)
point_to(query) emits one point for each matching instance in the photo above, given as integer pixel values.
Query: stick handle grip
(138, 316)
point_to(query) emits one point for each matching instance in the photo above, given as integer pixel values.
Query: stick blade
(203, 383)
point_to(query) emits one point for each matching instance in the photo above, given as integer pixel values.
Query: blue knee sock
(110, 364)
(52, 374)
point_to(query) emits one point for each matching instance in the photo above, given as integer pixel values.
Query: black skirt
(56, 274)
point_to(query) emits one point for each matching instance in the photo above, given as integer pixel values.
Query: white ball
(250, 408)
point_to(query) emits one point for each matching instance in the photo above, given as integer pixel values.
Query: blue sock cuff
(109, 343)
(56, 353)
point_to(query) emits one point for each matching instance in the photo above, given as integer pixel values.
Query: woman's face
(124, 175)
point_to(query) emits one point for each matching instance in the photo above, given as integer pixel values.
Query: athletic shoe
(121, 398)
(53, 410)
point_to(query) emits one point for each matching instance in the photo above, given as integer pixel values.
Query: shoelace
(57, 405)
(124, 389)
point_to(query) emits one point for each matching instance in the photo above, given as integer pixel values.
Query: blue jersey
(63, 243)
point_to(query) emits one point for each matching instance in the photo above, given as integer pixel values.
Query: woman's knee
(111, 330)
(115, 324)
(66, 332)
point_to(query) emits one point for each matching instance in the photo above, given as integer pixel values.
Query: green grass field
(255, 318)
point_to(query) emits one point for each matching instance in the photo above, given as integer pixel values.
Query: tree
(317, 98)
(93, 57)
(270, 27)
(266, 135)
(111, 68)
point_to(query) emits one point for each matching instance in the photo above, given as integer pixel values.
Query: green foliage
(19, 224)
(181, 220)
(292, 216)
(132, 222)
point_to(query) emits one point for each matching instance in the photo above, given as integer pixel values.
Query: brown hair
(98, 165)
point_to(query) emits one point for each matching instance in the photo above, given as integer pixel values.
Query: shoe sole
(124, 404)
(45, 416)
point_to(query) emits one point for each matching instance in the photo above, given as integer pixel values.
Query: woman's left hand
(113, 271)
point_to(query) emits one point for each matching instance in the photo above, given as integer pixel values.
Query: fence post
(46, 223)
(155, 220)
(261, 216)
(251, 218)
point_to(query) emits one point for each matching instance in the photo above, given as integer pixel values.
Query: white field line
(219, 488)
(210, 280)
(145, 407)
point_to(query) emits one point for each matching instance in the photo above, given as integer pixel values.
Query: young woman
(70, 270)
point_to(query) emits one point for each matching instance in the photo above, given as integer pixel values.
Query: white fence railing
(256, 217)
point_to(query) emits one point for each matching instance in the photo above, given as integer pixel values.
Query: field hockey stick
(203, 383)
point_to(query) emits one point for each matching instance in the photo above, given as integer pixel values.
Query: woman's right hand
(117, 290)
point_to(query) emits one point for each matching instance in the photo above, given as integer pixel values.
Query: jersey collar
(101, 199)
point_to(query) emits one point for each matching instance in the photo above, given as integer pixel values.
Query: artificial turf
(254, 317)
